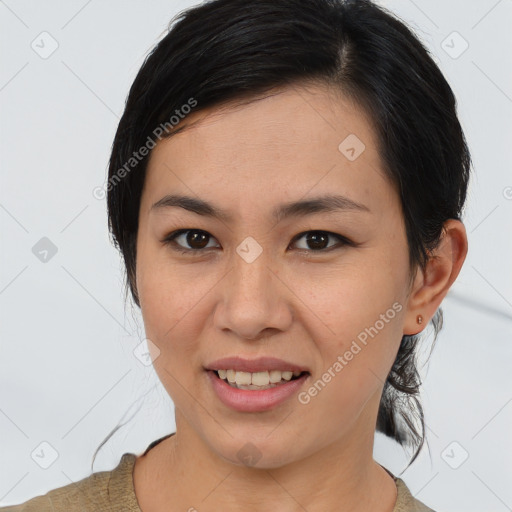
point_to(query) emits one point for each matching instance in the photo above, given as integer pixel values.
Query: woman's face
(256, 285)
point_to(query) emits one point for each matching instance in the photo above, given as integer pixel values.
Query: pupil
(195, 237)
(317, 240)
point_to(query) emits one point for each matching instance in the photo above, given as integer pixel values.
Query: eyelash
(170, 240)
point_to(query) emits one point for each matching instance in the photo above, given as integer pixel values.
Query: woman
(286, 188)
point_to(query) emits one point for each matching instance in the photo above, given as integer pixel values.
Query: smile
(253, 397)
(257, 380)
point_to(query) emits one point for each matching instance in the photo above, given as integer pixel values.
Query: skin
(289, 303)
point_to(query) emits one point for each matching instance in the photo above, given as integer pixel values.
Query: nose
(254, 302)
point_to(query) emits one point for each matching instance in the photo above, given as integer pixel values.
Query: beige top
(113, 491)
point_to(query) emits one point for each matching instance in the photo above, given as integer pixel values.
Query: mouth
(257, 381)
(255, 392)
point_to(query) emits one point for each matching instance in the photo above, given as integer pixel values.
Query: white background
(67, 369)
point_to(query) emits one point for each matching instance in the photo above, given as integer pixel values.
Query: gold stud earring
(419, 319)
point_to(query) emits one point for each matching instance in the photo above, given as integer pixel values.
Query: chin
(261, 451)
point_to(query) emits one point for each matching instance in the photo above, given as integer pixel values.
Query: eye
(198, 240)
(317, 240)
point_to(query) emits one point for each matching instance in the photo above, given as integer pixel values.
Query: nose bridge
(251, 275)
(252, 300)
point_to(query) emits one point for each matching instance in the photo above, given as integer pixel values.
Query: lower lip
(249, 400)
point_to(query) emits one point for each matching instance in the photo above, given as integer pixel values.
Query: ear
(431, 285)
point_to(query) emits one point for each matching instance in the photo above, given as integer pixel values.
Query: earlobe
(431, 286)
(415, 318)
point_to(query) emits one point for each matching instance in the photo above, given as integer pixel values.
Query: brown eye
(319, 240)
(189, 240)
(196, 240)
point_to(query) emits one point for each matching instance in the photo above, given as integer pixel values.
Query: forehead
(293, 142)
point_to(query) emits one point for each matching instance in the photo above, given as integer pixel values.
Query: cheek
(161, 290)
(159, 294)
(350, 298)
(170, 322)
(174, 302)
(362, 309)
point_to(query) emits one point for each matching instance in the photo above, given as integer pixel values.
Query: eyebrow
(302, 208)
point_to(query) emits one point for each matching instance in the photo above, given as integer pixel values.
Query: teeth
(256, 380)
(242, 378)
(260, 379)
(275, 376)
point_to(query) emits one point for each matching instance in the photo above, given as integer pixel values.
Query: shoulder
(406, 502)
(104, 490)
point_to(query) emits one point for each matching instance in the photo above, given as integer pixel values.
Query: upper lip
(259, 364)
